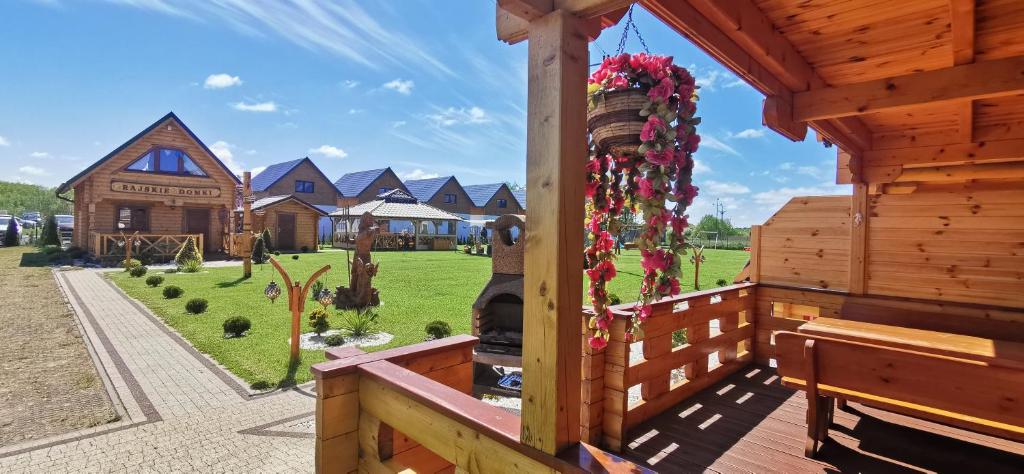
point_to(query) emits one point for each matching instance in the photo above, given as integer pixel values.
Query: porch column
(556, 151)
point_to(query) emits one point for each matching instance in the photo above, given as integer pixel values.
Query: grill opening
(501, 321)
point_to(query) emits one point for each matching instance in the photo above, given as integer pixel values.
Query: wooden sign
(163, 190)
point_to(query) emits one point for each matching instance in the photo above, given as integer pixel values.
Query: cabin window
(166, 161)
(303, 186)
(502, 203)
(132, 219)
(449, 199)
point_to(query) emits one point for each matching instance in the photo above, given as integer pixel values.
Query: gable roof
(276, 172)
(481, 194)
(275, 200)
(351, 184)
(520, 195)
(390, 209)
(63, 188)
(426, 189)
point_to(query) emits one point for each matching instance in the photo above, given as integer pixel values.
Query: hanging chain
(630, 25)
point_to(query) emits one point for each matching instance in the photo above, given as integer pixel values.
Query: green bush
(130, 264)
(721, 282)
(295, 257)
(334, 340)
(51, 235)
(314, 291)
(12, 238)
(236, 326)
(679, 337)
(138, 271)
(171, 270)
(49, 249)
(154, 280)
(259, 251)
(361, 323)
(196, 306)
(318, 320)
(614, 299)
(266, 240)
(189, 252)
(277, 254)
(438, 329)
(171, 291)
(191, 266)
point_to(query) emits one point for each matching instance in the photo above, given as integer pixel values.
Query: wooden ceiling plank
(948, 154)
(971, 81)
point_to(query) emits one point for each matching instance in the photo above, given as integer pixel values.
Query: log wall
(807, 244)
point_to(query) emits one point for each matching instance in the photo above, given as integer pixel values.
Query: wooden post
(858, 238)
(755, 253)
(556, 151)
(297, 300)
(246, 239)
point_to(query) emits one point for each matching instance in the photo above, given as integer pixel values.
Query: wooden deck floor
(750, 423)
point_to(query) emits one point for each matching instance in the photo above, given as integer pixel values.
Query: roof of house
(426, 189)
(481, 194)
(65, 186)
(276, 172)
(397, 204)
(520, 195)
(351, 184)
(271, 201)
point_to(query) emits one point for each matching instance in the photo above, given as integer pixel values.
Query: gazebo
(431, 228)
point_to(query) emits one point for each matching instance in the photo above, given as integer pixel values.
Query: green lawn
(415, 287)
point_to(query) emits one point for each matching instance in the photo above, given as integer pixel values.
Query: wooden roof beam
(1001, 150)
(962, 23)
(1001, 77)
(513, 17)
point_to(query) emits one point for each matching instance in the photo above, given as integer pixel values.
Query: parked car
(5, 220)
(65, 225)
(31, 219)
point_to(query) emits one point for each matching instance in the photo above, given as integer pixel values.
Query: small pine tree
(11, 237)
(259, 251)
(189, 252)
(51, 236)
(269, 244)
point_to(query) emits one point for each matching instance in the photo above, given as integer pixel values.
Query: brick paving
(180, 411)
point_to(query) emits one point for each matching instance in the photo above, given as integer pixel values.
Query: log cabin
(445, 193)
(303, 179)
(164, 184)
(364, 186)
(874, 332)
(294, 223)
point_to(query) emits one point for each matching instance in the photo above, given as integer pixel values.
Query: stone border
(261, 430)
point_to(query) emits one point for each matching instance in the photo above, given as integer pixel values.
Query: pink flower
(651, 127)
(662, 91)
(620, 82)
(670, 287)
(679, 224)
(594, 166)
(692, 141)
(591, 188)
(659, 158)
(656, 260)
(645, 188)
(602, 322)
(598, 342)
(644, 313)
(604, 242)
(689, 192)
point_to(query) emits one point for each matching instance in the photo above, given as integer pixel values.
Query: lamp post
(296, 299)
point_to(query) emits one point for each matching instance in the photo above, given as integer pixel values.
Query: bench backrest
(953, 320)
(936, 386)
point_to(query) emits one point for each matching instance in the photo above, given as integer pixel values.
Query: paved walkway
(179, 410)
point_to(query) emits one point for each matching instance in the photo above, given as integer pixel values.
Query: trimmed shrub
(138, 271)
(236, 326)
(171, 291)
(295, 257)
(49, 250)
(154, 280)
(196, 306)
(721, 282)
(318, 321)
(314, 291)
(192, 266)
(130, 264)
(614, 299)
(259, 251)
(334, 340)
(51, 235)
(171, 270)
(12, 238)
(438, 329)
(277, 254)
(189, 252)
(266, 240)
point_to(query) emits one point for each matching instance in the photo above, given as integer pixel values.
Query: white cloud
(4, 142)
(812, 171)
(250, 152)
(699, 167)
(33, 170)
(400, 86)
(776, 198)
(708, 141)
(749, 133)
(418, 174)
(350, 84)
(221, 81)
(398, 123)
(39, 154)
(719, 187)
(452, 116)
(256, 106)
(222, 150)
(787, 166)
(257, 170)
(355, 111)
(328, 151)
(736, 83)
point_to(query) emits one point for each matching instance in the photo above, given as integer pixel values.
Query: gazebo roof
(397, 204)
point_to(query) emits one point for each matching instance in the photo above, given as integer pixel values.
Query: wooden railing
(159, 246)
(690, 342)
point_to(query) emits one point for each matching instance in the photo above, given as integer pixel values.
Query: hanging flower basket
(615, 122)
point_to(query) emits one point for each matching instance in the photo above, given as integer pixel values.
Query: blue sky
(422, 86)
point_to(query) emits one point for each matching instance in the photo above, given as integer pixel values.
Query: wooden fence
(718, 328)
(156, 246)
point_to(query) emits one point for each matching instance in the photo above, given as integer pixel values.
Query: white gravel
(311, 341)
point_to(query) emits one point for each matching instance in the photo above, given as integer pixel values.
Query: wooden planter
(615, 123)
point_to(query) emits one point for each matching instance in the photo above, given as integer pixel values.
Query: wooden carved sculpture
(360, 292)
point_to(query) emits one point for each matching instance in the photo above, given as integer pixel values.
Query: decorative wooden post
(246, 240)
(556, 151)
(129, 241)
(697, 258)
(297, 300)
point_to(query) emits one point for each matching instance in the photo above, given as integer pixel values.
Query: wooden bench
(991, 323)
(965, 393)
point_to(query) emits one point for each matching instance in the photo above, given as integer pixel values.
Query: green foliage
(191, 266)
(196, 305)
(711, 224)
(236, 326)
(314, 291)
(260, 385)
(361, 323)
(295, 257)
(138, 271)
(189, 252)
(614, 299)
(678, 337)
(18, 198)
(51, 235)
(267, 241)
(259, 251)
(171, 270)
(334, 340)
(721, 282)
(171, 292)
(130, 264)
(154, 280)
(12, 238)
(438, 329)
(318, 320)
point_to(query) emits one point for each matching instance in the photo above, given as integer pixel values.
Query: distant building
(444, 193)
(304, 180)
(364, 186)
(491, 201)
